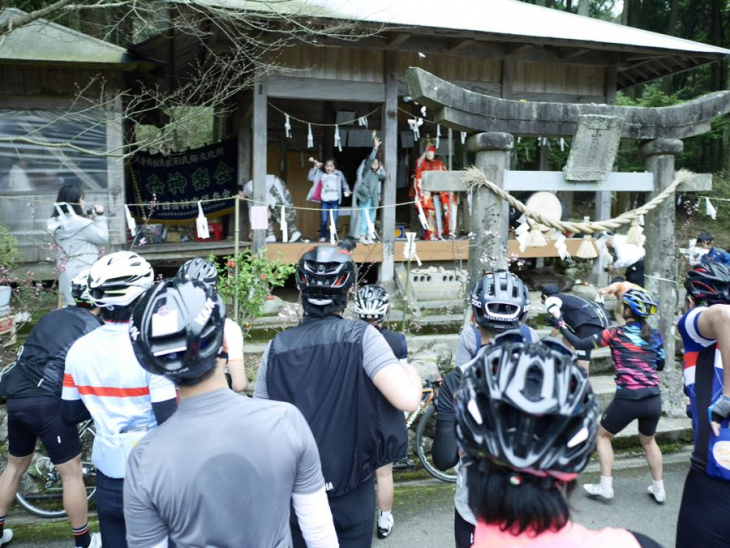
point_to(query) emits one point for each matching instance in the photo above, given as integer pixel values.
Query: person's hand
(376, 142)
(348, 194)
(717, 412)
(554, 321)
(611, 268)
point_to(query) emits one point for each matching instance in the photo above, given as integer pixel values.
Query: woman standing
(76, 236)
(332, 185)
(638, 353)
(370, 176)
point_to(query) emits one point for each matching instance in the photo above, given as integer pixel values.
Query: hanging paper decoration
(409, 250)
(562, 144)
(338, 141)
(333, 228)
(415, 124)
(438, 135)
(423, 111)
(463, 137)
(131, 224)
(287, 126)
(679, 200)
(561, 246)
(310, 137)
(519, 140)
(421, 215)
(283, 225)
(201, 224)
(710, 210)
(363, 121)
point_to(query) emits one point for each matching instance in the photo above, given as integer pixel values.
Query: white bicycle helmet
(80, 289)
(118, 279)
(371, 303)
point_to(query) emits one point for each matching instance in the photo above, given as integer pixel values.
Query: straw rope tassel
(536, 238)
(635, 234)
(587, 250)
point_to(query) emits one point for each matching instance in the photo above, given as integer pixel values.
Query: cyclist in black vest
(583, 317)
(32, 386)
(500, 302)
(335, 372)
(371, 305)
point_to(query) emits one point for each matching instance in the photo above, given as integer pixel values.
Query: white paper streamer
(338, 141)
(310, 137)
(131, 223)
(414, 128)
(463, 137)
(710, 210)
(287, 126)
(562, 144)
(438, 135)
(201, 224)
(363, 121)
(333, 228)
(283, 225)
(423, 111)
(679, 200)
(409, 250)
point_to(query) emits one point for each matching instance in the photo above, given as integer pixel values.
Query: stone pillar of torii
(596, 131)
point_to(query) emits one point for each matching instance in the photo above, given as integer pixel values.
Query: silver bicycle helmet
(371, 303)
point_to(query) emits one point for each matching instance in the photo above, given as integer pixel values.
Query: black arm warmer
(445, 451)
(163, 410)
(589, 343)
(74, 412)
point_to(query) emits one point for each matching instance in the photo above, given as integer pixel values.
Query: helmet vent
(533, 383)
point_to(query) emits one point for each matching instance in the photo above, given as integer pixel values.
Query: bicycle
(40, 491)
(426, 429)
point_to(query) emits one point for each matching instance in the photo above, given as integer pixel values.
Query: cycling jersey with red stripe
(103, 372)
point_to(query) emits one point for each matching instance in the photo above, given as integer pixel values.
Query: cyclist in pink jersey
(527, 424)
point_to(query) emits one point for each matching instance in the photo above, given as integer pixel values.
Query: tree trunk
(668, 82)
(569, 6)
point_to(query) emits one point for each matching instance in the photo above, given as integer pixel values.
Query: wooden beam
(458, 45)
(571, 53)
(390, 153)
(397, 40)
(317, 89)
(260, 140)
(514, 49)
(611, 85)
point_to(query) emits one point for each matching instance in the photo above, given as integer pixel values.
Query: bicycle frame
(428, 397)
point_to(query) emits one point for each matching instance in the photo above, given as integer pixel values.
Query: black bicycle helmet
(500, 301)
(177, 329)
(528, 407)
(371, 303)
(325, 274)
(708, 284)
(199, 269)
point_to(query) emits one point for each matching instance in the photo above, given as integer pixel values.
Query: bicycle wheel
(425, 432)
(40, 491)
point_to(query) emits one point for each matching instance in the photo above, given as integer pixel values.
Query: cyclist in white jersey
(104, 381)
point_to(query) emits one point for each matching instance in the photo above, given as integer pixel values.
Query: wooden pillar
(390, 158)
(115, 169)
(242, 121)
(660, 264)
(490, 214)
(260, 133)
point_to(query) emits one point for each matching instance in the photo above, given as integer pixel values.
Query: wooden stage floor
(450, 250)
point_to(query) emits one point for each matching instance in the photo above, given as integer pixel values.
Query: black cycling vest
(578, 311)
(41, 360)
(317, 366)
(397, 343)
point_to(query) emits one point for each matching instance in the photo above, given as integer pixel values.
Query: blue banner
(206, 173)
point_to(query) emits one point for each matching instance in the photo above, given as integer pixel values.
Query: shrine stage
(448, 250)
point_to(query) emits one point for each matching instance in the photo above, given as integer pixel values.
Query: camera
(92, 211)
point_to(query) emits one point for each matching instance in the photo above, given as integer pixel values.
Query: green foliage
(10, 256)
(257, 276)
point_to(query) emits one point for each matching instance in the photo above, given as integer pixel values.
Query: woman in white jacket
(76, 236)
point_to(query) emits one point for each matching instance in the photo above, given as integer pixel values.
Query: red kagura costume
(436, 206)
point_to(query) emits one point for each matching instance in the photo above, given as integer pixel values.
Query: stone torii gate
(598, 129)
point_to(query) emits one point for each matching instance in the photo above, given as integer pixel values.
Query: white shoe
(95, 540)
(322, 240)
(363, 240)
(270, 239)
(597, 490)
(659, 496)
(385, 531)
(369, 241)
(7, 536)
(295, 237)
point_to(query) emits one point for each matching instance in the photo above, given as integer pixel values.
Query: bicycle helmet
(528, 407)
(709, 284)
(119, 278)
(371, 303)
(500, 301)
(177, 329)
(80, 289)
(641, 302)
(325, 274)
(199, 269)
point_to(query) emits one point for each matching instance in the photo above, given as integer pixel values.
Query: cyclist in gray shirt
(225, 469)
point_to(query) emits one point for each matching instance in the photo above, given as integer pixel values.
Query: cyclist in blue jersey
(371, 305)
(705, 330)
(500, 302)
(32, 387)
